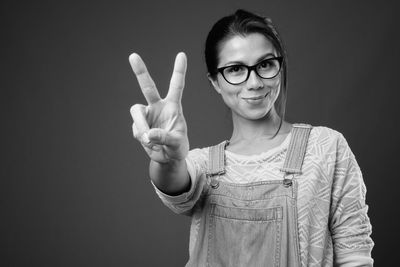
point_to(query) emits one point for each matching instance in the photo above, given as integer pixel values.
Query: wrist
(170, 164)
(172, 177)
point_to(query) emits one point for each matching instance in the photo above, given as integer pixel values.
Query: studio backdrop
(75, 189)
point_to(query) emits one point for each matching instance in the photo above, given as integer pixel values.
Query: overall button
(287, 182)
(214, 183)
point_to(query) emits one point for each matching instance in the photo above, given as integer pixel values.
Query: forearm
(172, 178)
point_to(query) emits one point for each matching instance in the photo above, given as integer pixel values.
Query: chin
(256, 114)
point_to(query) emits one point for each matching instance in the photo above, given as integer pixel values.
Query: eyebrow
(229, 63)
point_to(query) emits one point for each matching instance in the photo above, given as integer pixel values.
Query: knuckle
(136, 134)
(157, 134)
(133, 109)
(136, 110)
(161, 137)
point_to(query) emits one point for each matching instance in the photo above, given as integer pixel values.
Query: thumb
(162, 137)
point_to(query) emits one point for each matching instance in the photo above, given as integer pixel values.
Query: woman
(276, 193)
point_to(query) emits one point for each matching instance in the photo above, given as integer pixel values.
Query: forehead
(246, 49)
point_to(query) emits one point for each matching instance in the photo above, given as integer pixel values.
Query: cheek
(228, 90)
(230, 95)
(274, 85)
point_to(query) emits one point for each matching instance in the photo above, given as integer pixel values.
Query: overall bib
(252, 224)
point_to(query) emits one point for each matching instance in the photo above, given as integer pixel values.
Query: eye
(267, 64)
(235, 69)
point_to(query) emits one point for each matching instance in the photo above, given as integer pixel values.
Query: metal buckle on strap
(214, 183)
(288, 181)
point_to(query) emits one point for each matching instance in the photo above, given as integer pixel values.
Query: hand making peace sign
(160, 126)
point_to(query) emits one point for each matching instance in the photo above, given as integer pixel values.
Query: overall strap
(216, 159)
(293, 161)
(297, 148)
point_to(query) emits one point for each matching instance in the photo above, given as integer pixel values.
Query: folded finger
(135, 131)
(140, 125)
(162, 137)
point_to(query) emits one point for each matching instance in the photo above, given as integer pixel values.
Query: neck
(245, 129)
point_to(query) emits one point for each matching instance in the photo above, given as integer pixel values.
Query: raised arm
(161, 127)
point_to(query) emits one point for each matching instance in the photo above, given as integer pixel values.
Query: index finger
(146, 83)
(178, 78)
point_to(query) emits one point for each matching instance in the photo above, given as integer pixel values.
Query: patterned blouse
(334, 227)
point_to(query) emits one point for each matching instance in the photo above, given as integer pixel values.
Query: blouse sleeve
(349, 223)
(183, 203)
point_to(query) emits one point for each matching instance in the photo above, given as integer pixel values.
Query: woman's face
(254, 98)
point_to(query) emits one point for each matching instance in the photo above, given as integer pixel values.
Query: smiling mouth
(256, 97)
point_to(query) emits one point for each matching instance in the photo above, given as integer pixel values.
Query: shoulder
(327, 141)
(199, 157)
(325, 135)
(329, 149)
(199, 154)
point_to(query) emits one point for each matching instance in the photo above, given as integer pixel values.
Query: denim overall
(252, 224)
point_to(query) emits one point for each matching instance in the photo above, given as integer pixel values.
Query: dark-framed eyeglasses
(239, 73)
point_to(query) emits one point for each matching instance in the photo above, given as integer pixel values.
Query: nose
(254, 81)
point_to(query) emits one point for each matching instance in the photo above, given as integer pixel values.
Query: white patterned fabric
(332, 214)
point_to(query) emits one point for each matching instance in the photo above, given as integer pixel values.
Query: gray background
(74, 183)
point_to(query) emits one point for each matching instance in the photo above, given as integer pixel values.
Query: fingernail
(145, 138)
(156, 148)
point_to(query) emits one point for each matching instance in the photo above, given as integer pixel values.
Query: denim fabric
(253, 224)
(332, 220)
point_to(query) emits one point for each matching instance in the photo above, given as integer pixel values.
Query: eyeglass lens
(266, 69)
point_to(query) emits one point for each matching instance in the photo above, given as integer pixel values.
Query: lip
(255, 97)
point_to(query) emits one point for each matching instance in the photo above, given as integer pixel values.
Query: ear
(214, 83)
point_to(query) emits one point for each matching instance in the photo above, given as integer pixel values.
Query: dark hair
(243, 23)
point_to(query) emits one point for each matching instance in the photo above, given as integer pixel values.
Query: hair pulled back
(244, 23)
